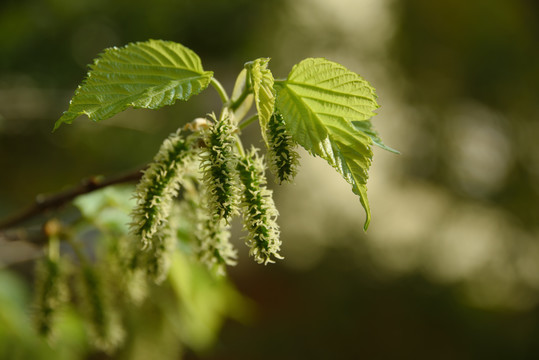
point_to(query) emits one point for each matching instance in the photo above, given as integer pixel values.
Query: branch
(50, 202)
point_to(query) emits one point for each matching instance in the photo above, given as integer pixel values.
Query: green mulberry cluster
(283, 159)
(158, 187)
(213, 246)
(218, 166)
(103, 321)
(259, 210)
(155, 193)
(222, 173)
(51, 293)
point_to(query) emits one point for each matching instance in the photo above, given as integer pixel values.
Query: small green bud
(259, 212)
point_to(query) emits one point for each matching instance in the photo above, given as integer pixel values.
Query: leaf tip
(362, 192)
(367, 222)
(60, 121)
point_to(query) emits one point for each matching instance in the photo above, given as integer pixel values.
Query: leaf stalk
(220, 90)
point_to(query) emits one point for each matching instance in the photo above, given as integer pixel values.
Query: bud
(259, 212)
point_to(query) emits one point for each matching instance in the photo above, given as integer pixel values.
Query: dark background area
(449, 268)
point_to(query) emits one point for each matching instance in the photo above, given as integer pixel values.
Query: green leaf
(239, 89)
(147, 75)
(367, 128)
(319, 102)
(262, 83)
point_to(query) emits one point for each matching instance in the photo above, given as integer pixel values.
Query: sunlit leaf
(147, 75)
(319, 101)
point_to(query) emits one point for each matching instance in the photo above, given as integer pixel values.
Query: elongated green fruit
(259, 212)
(218, 166)
(51, 292)
(208, 237)
(283, 159)
(157, 261)
(158, 187)
(103, 322)
(213, 246)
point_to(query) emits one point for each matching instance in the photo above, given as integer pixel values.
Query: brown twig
(45, 203)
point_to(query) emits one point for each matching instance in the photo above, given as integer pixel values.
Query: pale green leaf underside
(237, 92)
(262, 82)
(147, 75)
(319, 101)
(367, 128)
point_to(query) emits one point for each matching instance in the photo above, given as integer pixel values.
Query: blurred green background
(449, 268)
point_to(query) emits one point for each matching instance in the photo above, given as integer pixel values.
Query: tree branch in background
(44, 203)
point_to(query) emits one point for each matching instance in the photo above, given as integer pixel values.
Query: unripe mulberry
(218, 166)
(259, 212)
(158, 188)
(283, 159)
